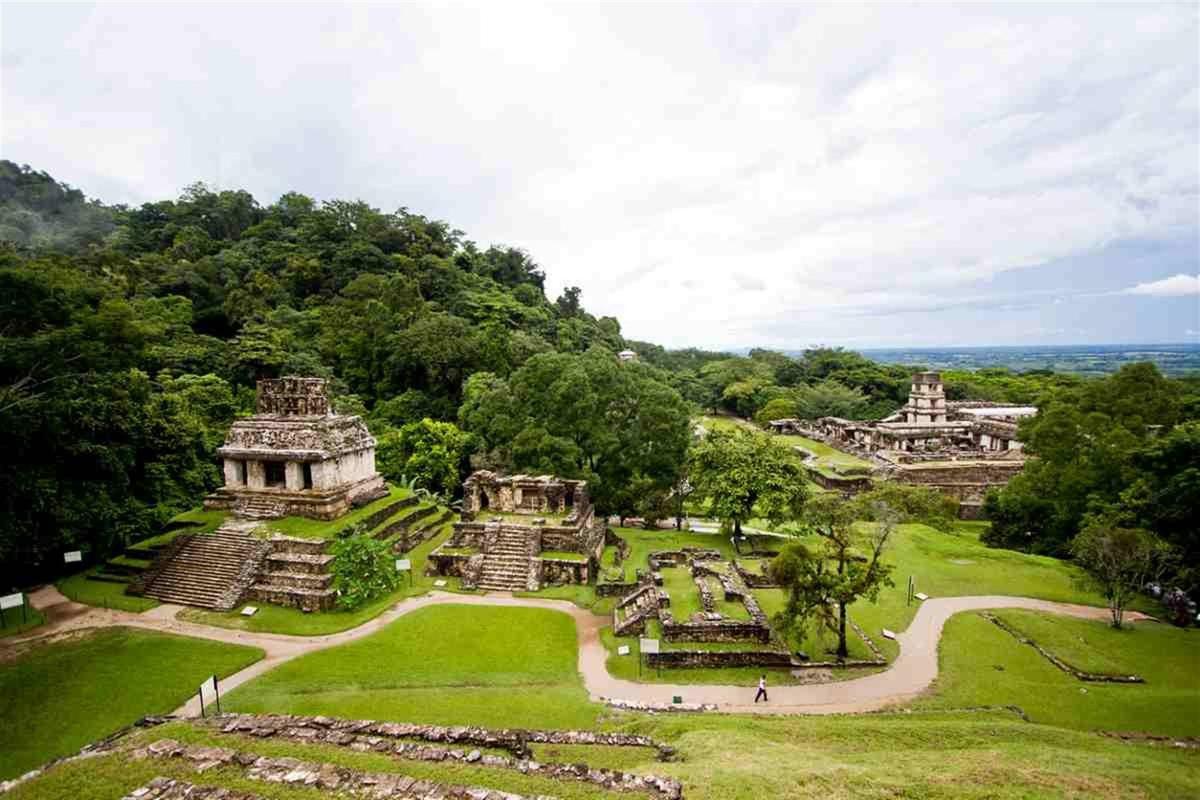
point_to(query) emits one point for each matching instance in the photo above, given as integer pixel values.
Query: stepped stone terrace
(295, 457)
(520, 532)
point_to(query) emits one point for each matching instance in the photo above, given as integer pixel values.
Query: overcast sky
(716, 175)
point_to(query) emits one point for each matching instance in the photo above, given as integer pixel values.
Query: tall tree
(744, 474)
(837, 563)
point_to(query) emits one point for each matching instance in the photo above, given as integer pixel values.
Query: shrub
(363, 568)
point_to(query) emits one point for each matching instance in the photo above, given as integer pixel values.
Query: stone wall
(722, 630)
(700, 659)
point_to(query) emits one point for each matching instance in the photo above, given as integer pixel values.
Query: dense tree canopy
(130, 338)
(619, 425)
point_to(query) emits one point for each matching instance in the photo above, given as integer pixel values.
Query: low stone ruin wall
(561, 571)
(846, 485)
(515, 740)
(722, 630)
(754, 580)
(700, 659)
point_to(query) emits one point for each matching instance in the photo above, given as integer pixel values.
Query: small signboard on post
(403, 564)
(645, 647)
(12, 601)
(210, 692)
(73, 557)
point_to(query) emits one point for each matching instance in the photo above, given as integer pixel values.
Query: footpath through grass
(451, 665)
(57, 697)
(984, 665)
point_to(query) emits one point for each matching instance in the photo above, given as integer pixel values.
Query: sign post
(647, 647)
(12, 601)
(405, 565)
(211, 692)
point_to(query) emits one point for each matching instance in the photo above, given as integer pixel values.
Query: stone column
(233, 473)
(293, 473)
(256, 475)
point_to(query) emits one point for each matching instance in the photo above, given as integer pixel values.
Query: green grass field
(305, 528)
(984, 665)
(444, 664)
(103, 594)
(17, 620)
(56, 698)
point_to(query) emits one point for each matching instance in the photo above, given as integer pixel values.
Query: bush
(363, 568)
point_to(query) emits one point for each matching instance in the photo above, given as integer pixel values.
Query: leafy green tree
(582, 416)
(742, 474)
(431, 453)
(837, 563)
(779, 408)
(1119, 562)
(363, 569)
(830, 399)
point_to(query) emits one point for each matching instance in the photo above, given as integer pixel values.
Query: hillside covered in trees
(131, 337)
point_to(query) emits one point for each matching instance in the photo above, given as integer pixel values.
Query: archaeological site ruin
(295, 457)
(521, 532)
(961, 448)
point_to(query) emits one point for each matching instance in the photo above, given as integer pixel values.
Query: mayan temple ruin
(962, 448)
(520, 532)
(295, 457)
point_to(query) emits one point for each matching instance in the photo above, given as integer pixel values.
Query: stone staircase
(208, 570)
(631, 613)
(506, 566)
(255, 507)
(296, 574)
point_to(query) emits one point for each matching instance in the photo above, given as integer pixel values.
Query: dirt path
(909, 675)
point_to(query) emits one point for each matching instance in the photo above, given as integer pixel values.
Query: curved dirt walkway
(910, 674)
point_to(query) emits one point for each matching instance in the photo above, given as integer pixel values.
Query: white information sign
(623, 650)
(12, 601)
(921, 596)
(249, 611)
(208, 690)
(73, 557)
(439, 583)
(648, 645)
(403, 564)
(889, 634)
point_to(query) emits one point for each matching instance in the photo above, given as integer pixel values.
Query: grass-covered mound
(57, 697)
(500, 667)
(981, 664)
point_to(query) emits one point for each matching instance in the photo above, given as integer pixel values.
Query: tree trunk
(842, 650)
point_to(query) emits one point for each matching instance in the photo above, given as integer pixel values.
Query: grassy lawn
(57, 697)
(1095, 648)
(956, 564)
(828, 460)
(278, 619)
(940, 756)
(15, 622)
(984, 665)
(202, 522)
(643, 542)
(305, 528)
(104, 594)
(503, 667)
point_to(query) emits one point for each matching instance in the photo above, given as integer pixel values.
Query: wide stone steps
(210, 570)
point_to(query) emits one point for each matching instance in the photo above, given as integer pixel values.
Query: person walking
(762, 689)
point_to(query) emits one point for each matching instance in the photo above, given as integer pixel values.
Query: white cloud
(1175, 286)
(701, 172)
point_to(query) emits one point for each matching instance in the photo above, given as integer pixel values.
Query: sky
(713, 175)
